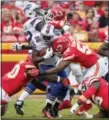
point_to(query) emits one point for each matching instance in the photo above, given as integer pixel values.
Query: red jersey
(101, 96)
(14, 80)
(75, 51)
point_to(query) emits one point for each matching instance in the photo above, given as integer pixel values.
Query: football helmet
(32, 10)
(56, 13)
(61, 44)
(47, 33)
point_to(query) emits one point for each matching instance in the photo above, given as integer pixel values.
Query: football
(42, 52)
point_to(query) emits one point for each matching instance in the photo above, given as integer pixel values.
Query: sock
(49, 103)
(56, 105)
(24, 95)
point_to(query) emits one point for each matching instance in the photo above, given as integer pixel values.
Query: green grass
(33, 107)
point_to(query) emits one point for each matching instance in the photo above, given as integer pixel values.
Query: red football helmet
(61, 44)
(56, 13)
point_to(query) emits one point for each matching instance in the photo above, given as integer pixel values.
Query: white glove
(16, 47)
(49, 53)
(74, 108)
(66, 28)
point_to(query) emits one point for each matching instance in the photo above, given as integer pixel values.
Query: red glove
(66, 82)
(33, 72)
(28, 58)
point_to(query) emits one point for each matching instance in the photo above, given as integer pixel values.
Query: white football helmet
(47, 33)
(32, 10)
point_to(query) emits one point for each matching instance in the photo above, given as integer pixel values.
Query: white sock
(57, 100)
(24, 95)
(49, 101)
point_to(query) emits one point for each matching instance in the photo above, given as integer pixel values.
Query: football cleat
(48, 113)
(18, 107)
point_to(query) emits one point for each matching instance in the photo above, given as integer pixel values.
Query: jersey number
(84, 49)
(14, 71)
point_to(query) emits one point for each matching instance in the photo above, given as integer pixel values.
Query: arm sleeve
(26, 47)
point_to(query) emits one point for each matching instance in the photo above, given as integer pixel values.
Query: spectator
(81, 11)
(74, 19)
(7, 21)
(104, 19)
(90, 18)
(19, 19)
(93, 34)
(79, 33)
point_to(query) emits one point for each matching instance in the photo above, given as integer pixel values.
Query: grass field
(33, 107)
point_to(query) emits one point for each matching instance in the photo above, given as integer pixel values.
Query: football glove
(16, 47)
(49, 53)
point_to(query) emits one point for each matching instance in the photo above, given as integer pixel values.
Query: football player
(15, 80)
(37, 45)
(75, 51)
(33, 26)
(96, 90)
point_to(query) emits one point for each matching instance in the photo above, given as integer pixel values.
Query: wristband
(42, 73)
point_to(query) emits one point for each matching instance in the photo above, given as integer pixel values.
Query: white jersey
(31, 26)
(34, 38)
(37, 43)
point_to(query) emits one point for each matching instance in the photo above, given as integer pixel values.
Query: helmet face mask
(56, 13)
(47, 33)
(49, 17)
(47, 39)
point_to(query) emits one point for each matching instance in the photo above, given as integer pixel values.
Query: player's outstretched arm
(18, 47)
(26, 47)
(85, 96)
(62, 65)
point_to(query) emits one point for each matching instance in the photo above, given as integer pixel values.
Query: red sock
(65, 105)
(85, 107)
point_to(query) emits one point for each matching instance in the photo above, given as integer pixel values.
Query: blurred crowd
(89, 20)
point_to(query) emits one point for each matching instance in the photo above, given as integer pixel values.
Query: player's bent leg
(84, 108)
(4, 107)
(30, 88)
(50, 98)
(99, 69)
(66, 103)
(4, 101)
(61, 92)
